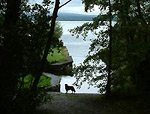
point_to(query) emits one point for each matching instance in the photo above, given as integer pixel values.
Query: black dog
(69, 88)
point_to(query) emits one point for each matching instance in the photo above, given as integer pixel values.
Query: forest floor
(93, 104)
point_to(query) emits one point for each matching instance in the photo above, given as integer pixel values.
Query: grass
(28, 79)
(44, 81)
(57, 56)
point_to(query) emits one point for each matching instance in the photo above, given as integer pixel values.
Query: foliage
(22, 44)
(29, 35)
(58, 31)
(27, 101)
(130, 46)
(27, 81)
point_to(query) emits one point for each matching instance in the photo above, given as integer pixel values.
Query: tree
(97, 44)
(22, 44)
(130, 41)
(108, 86)
(54, 16)
(12, 12)
(7, 76)
(133, 48)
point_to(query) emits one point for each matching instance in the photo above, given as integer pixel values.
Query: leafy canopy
(130, 46)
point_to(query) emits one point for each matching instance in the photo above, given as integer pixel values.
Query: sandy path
(73, 104)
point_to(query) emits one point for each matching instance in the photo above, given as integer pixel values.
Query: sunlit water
(78, 49)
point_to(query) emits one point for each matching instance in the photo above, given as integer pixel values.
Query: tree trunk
(54, 16)
(108, 91)
(6, 62)
(7, 76)
(12, 12)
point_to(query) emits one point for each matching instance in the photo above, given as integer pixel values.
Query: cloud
(75, 6)
(73, 3)
(79, 10)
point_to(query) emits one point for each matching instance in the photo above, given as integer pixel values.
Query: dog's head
(66, 84)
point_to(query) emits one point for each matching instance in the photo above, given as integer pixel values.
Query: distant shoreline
(74, 20)
(74, 17)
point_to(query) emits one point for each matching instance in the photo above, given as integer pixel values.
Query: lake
(78, 49)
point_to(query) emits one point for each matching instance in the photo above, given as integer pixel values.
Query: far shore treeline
(74, 17)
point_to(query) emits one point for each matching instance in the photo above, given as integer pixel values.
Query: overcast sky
(75, 6)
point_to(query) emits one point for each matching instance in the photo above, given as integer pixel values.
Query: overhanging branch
(65, 3)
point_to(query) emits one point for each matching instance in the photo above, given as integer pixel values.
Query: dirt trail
(73, 104)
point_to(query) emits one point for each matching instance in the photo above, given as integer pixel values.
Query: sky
(75, 6)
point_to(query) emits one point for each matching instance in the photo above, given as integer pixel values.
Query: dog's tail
(74, 90)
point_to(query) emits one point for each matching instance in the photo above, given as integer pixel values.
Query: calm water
(78, 49)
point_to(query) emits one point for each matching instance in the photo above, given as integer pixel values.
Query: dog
(69, 88)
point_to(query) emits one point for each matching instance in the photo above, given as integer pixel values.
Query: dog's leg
(66, 92)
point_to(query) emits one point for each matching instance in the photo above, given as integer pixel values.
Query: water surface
(78, 49)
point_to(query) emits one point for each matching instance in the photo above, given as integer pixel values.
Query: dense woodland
(26, 38)
(118, 61)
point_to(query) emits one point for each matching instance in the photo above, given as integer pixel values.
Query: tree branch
(65, 3)
(49, 41)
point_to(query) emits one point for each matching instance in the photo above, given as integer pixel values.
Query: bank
(62, 65)
(58, 63)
